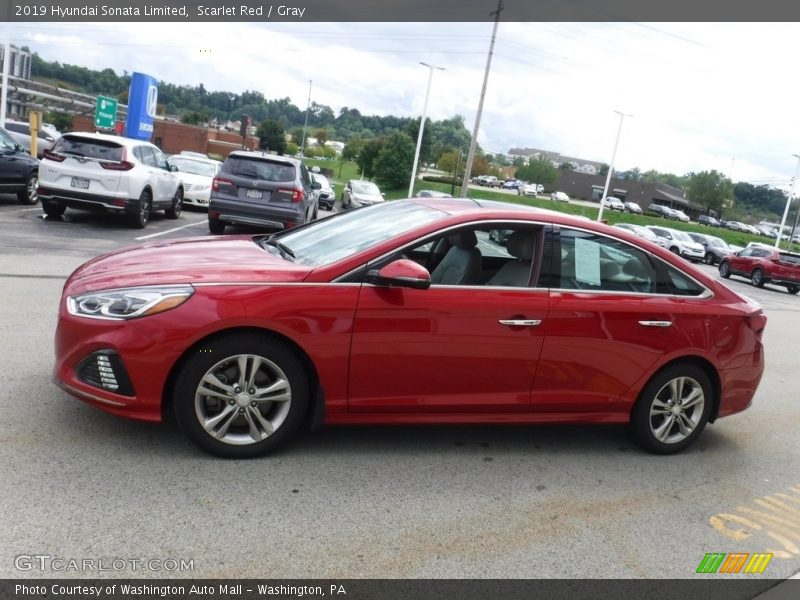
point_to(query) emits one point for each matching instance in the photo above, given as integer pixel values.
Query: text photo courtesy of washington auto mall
(481, 299)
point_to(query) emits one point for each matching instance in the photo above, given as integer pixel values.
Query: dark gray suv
(262, 190)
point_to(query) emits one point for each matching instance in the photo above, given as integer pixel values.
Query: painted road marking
(152, 235)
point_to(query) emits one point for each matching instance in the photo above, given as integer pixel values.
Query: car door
(167, 181)
(609, 322)
(742, 262)
(14, 166)
(469, 347)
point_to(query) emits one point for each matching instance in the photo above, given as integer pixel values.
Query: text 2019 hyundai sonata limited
(406, 312)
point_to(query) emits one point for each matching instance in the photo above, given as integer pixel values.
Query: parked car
(530, 189)
(735, 226)
(559, 196)
(19, 171)
(679, 243)
(665, 212)
(389, 313)
(511, 184)
(682, 216)
(358, 193)
(488, 181)
(708, 221)
(715, 248)
(262, 190)
(21, 132)
(432, 194)
(633, 207)
(327, 194)
(750, 229)
(196, 174)
(614, 203)
(763, 264)
(108, 174)
(643, 232)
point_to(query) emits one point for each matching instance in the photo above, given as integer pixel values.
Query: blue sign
(142, 101)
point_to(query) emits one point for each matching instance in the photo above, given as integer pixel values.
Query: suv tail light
(220, 181)
(123, 165)
(50, 155)
(756, 323)
(297, 194)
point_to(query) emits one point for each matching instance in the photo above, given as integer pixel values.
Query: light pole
(421, 126)
(305, 123)
(611, 166)
(788, 202)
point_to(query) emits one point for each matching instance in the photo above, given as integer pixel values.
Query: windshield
(335, 238)
(684, 237)
(195, 167)
(716, 242)
(365, 187)
(323, 181)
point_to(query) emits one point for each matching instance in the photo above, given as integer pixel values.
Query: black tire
(174, 211)
(793, 289)
(708, 258)
(216, 226)
(757, 278)
(675, 250)
(141, 218)
(663, 428)
(237, 418)
(52, 209)
(29, 195)
(724, 269)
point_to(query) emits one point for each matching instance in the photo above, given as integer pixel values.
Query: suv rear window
(256, 168)
(91, 148)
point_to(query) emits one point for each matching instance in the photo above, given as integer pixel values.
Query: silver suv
(264, 190)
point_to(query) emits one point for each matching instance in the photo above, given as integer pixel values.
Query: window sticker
(587, 261)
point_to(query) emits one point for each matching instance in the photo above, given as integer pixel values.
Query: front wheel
(29, 195)
(757, 278)
(724, 270)
(174, 211)
(241, 395)
(672, 409)
(709, 258)
(793, 289)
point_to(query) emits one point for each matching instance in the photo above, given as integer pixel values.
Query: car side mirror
(401, 273)
(173, 168)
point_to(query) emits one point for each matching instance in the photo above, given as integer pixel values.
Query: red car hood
(191, 260)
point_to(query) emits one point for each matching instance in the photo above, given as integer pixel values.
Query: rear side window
(265, 170)
(90, 148)
(790, 258)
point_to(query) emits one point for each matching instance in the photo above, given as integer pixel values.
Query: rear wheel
(708, 258)
(757, 278)
(142, 216)
(29, 195)
(53, 209)
(792, 289)
(675, 250)
(724, 269)
(216, 226)
(241, 395)
(672, 410)
(174, 211)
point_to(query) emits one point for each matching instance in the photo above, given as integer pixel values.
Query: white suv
(680, 243)
(108, 174)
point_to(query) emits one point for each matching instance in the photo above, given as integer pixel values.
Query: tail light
(123, 165)
(50, 155)
(218, 181)
(297, 194)
(757, 323)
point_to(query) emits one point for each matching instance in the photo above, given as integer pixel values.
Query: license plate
(80, 182)
(255, 194)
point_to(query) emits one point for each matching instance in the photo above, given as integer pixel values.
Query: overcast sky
(703, 96)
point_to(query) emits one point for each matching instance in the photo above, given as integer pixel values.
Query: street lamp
(611, 166)
(305, 123)
(788, 202)
(421, 126)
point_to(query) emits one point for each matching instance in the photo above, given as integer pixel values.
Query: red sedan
(407, 312)
(762, 264)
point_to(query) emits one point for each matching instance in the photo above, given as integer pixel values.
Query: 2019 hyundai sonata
(404, 312)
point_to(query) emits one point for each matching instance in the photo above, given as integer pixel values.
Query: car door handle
(656, 323)
(520, 322)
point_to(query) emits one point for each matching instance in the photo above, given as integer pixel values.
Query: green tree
(447, 162)
(540, 170)
(195, 118)
(603, 170)
(291, 149)
(272, 136)
(394, 161)
(321, 136)
(366, 158)
(709, 189)
(352, 148)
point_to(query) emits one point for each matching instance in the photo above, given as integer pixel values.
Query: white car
(530, 189)
(680, 243)
(108, 174)
(682, 215)
(358, 193)
(614, 203)
(559, 196)
(196, 175)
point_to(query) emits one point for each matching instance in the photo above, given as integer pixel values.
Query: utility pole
(611, 166)
(779, 237)
(474, 141)
(421, 127)
(305, 123)
(4, 96)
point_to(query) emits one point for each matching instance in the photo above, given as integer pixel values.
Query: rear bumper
(87, 201)
(273, 217)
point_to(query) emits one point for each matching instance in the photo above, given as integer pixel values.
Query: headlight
(128, 303)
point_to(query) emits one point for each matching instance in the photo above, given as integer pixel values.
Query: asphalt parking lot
(419, 502)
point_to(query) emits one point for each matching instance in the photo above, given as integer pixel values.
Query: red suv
(763, 264)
